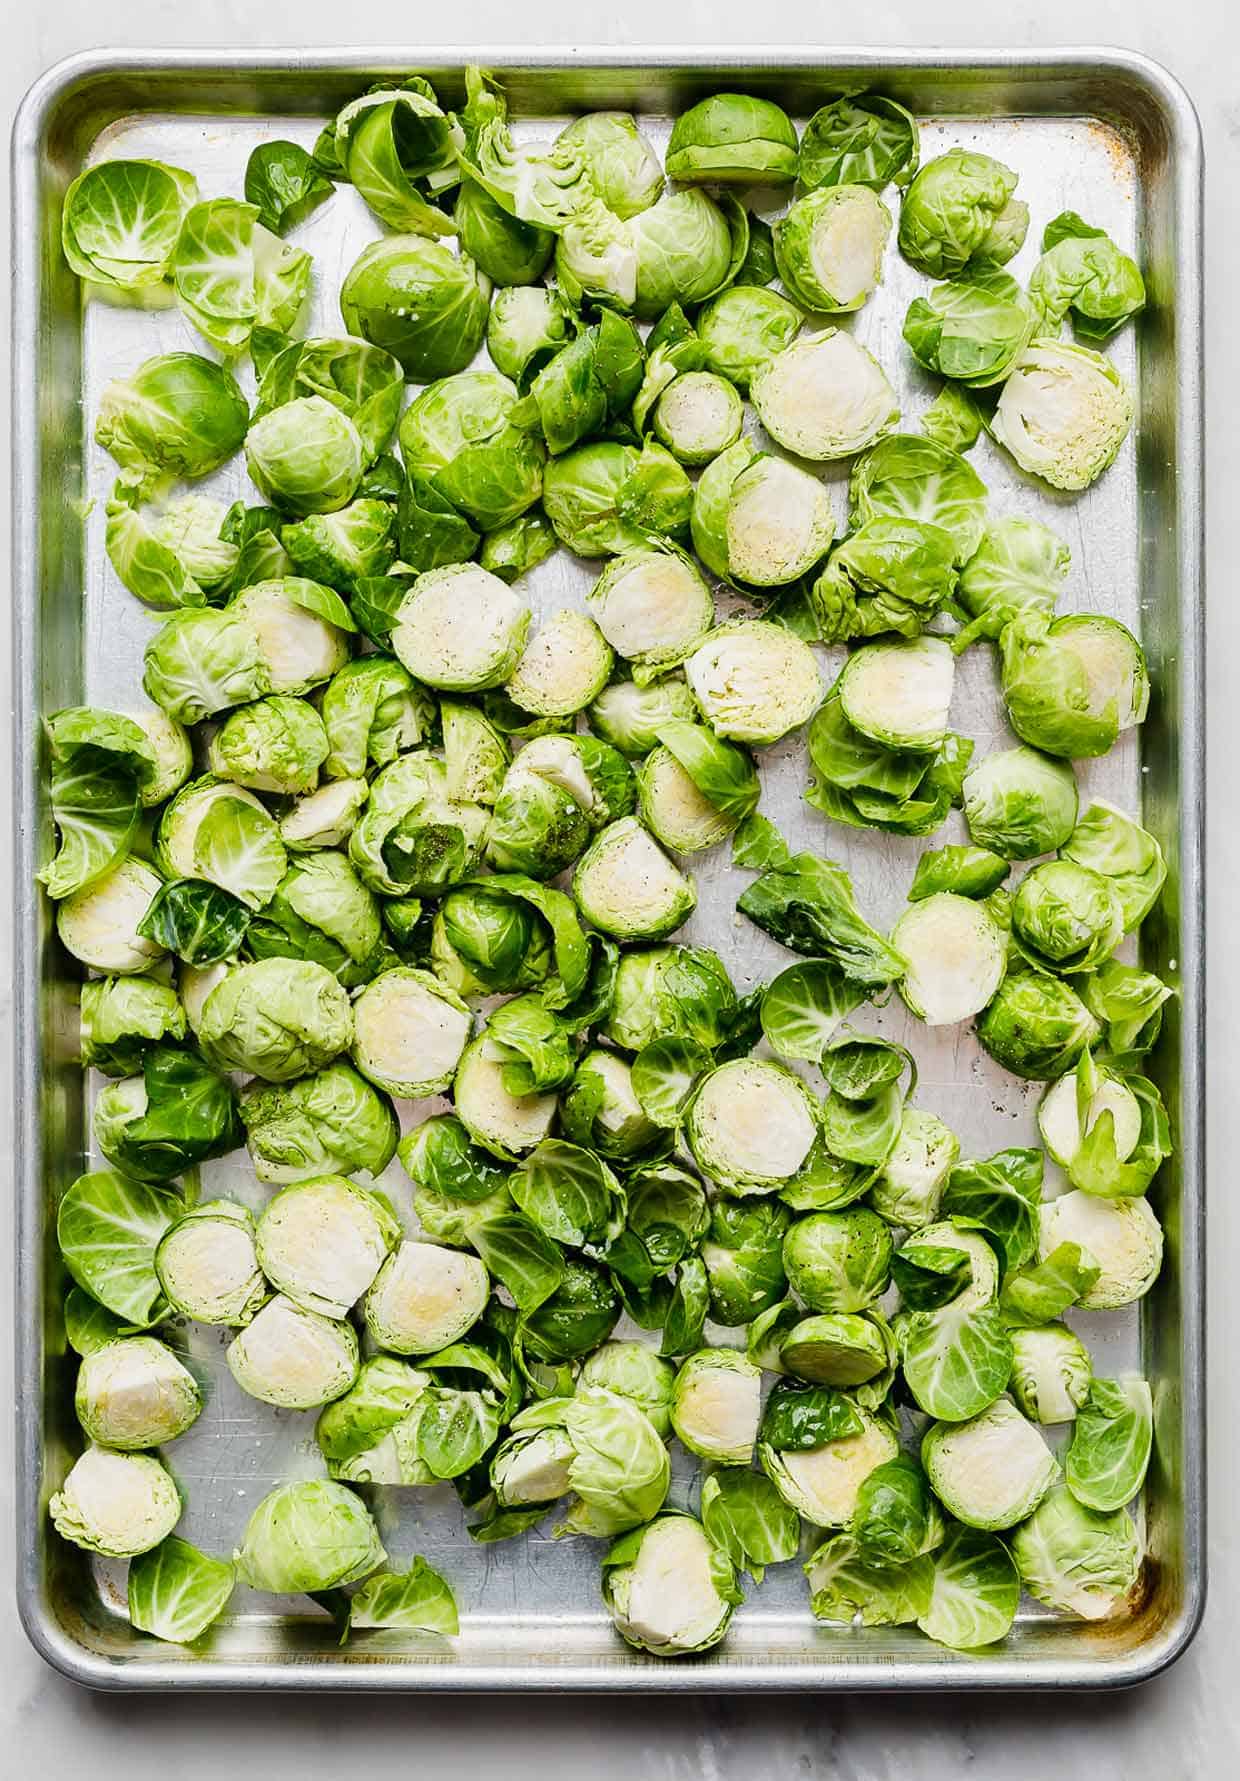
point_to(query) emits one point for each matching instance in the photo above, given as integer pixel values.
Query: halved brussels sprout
(120, 223)
(668, 1588)
(100, 923)
(652, 605)
(503, 1123)
(676, 802)
(635, 1371)
(419, 301)
(528, 325)
(1072, 684)
(460, 628)
(1064, 413)
(564, 665)
(864, 138)
(760, 520)
(1122, 1236)
(983, 1281)
(332, 1122)
(425, 1297)
(829, 247)
(824, 396)
(1051, 1373)
(176, 415)
(628, 716)
(698, 415)
(733, 139)
(743, 328)
(169, 557)
(717, 1404)
(991, 1471)
(754, 681)
(1066, 917)
(606, 497)
(409, 1031)
(322, 1241)
(908, 1186)
(624, 170)
(218, 832)
(838, 1261)
(626, 886)
(276, 1018)
(752, 1125)
(899, 694)
(1076, 1560)
(202, 661)
(1020, 803)
(955, 957)
(299, 646)
(666, 992)
(207, 1264)
(135, 1393)
(413, 839)
(602, 1111)
(840, 1348)
(312, 1535)
(275, 745)
(176, 1592)
(958, 211)
(305, 456)
(293, 1358)
(171, 752)
(119, 1504)
(822, 1483)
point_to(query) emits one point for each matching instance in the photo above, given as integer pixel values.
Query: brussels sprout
(532, 1468)
(461, 629)
(120, 222)
(632, 1370)
(1128, 856)
(960, 211)
(101, 924)
(418, 301)
(754, 681)
(528, 325)
(823, 396)
(906, 476)
(652, 605)
(899, 694)
(1075, 1559)
(667, 992)
(508, 251)
(1071, 685)
(890, 575)
(176, 415)
(695, 789)
(983, 1282)
(293, 1358)
(1019, 566)
(412, 838)
(991, 1471)
(698, 415)
(170, 753)
(829, 248)
(596, 259)
(623, 168)
(313, 1535)
(202, 662)
(1106, 1464)
(802, 1008)
(565, 664)
(733, 139)
(457, 434)
(822, 1482)
(195, 984)
(668, 1588)
(619, 1466)
(1066, 917)
(220, 833)
(628, 716)
(301, 630)
(1020, 803)
(135, 1393)
(972, 329)
(604, 497)
(686, 250)
(752, 1125)
(409, 1032)
(322, 911)
(275, 745)
(329, 1122)
(1082, 271)
(908, 1186)
(322, 1241)
(305, 456)
(372, 711)
(602, 1111)
(363, 382)
(743, 329)
(119, 1504)
(175, 1592)
(1035, 1025)
(122, 1016)
(556, 793)
(503, 1123)
(578, 1315)
(1051, 1373)
(384, 1393)
(232, 275)
(840, 1349)
(276, 1018)
(716, 1405)
(340, 549)
(955, 957)
(974, 1592)
(177, 1113)
(862, 139)
(175, 558)
(1063, 414)
(207, 1264)
(626, 886)
(484, 942)
(838, 1261)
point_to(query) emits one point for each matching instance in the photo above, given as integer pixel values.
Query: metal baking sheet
(1104, 132)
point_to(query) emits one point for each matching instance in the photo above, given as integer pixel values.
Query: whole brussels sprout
(419, 301)
(838, 1261)
(959, 210)
(306, 456)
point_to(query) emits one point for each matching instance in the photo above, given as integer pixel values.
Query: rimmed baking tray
(1104, 132)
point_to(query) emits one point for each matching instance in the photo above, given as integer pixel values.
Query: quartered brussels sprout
(991, 1471)
(409, 1031)
(425, 1297)
(100, 924)
(461, 629)
(752, 1125)
(293, 1358)
(207, 1264)
(698, 415)
(120, 224)
(135, 1393)
(275, 745)
(312, 1535)
(322, 1241)
(821, 1482)
(635, 1371)
(754, 681)
(1051, 1373)
(838, 1261)
(623, 168)
(668, 1588)
(652, 605)
(908, 1186)
(628, 716)
(743, 328)
(563, 666)
(625, 885)
(301, 630)
(1020, 803)
(824, 396)
(1036, 1025)
(960, 211)
(1063, 413)
(118, 1504)
(829, 247)
(955, 957)
(276, 1018)
(909, 476)
(175, 1592)
(419, 301)
(733, 139)
(1077, 1560)
(504, 1123)
(1122, 1236)
(716, 1405)
(176, 415)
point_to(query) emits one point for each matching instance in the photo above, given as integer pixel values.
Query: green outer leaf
(798, 1417)
(108, 1229)
(518, 1255)
(176, 1592)
(1040, 1294)
(96, 807)
(416, 1600)
(202, 923)
(803, 1007)
(999, 1195)
(1106, 1464)
(975, 1592)
(956, 1361)
(284, 185)
(747, 1518)
(665, 1075)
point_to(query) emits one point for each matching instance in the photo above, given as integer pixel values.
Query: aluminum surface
(1102, 132)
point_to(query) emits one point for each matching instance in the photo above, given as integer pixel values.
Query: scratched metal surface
(532, 1606)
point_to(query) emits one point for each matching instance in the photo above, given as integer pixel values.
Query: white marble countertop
(1186, 1724)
